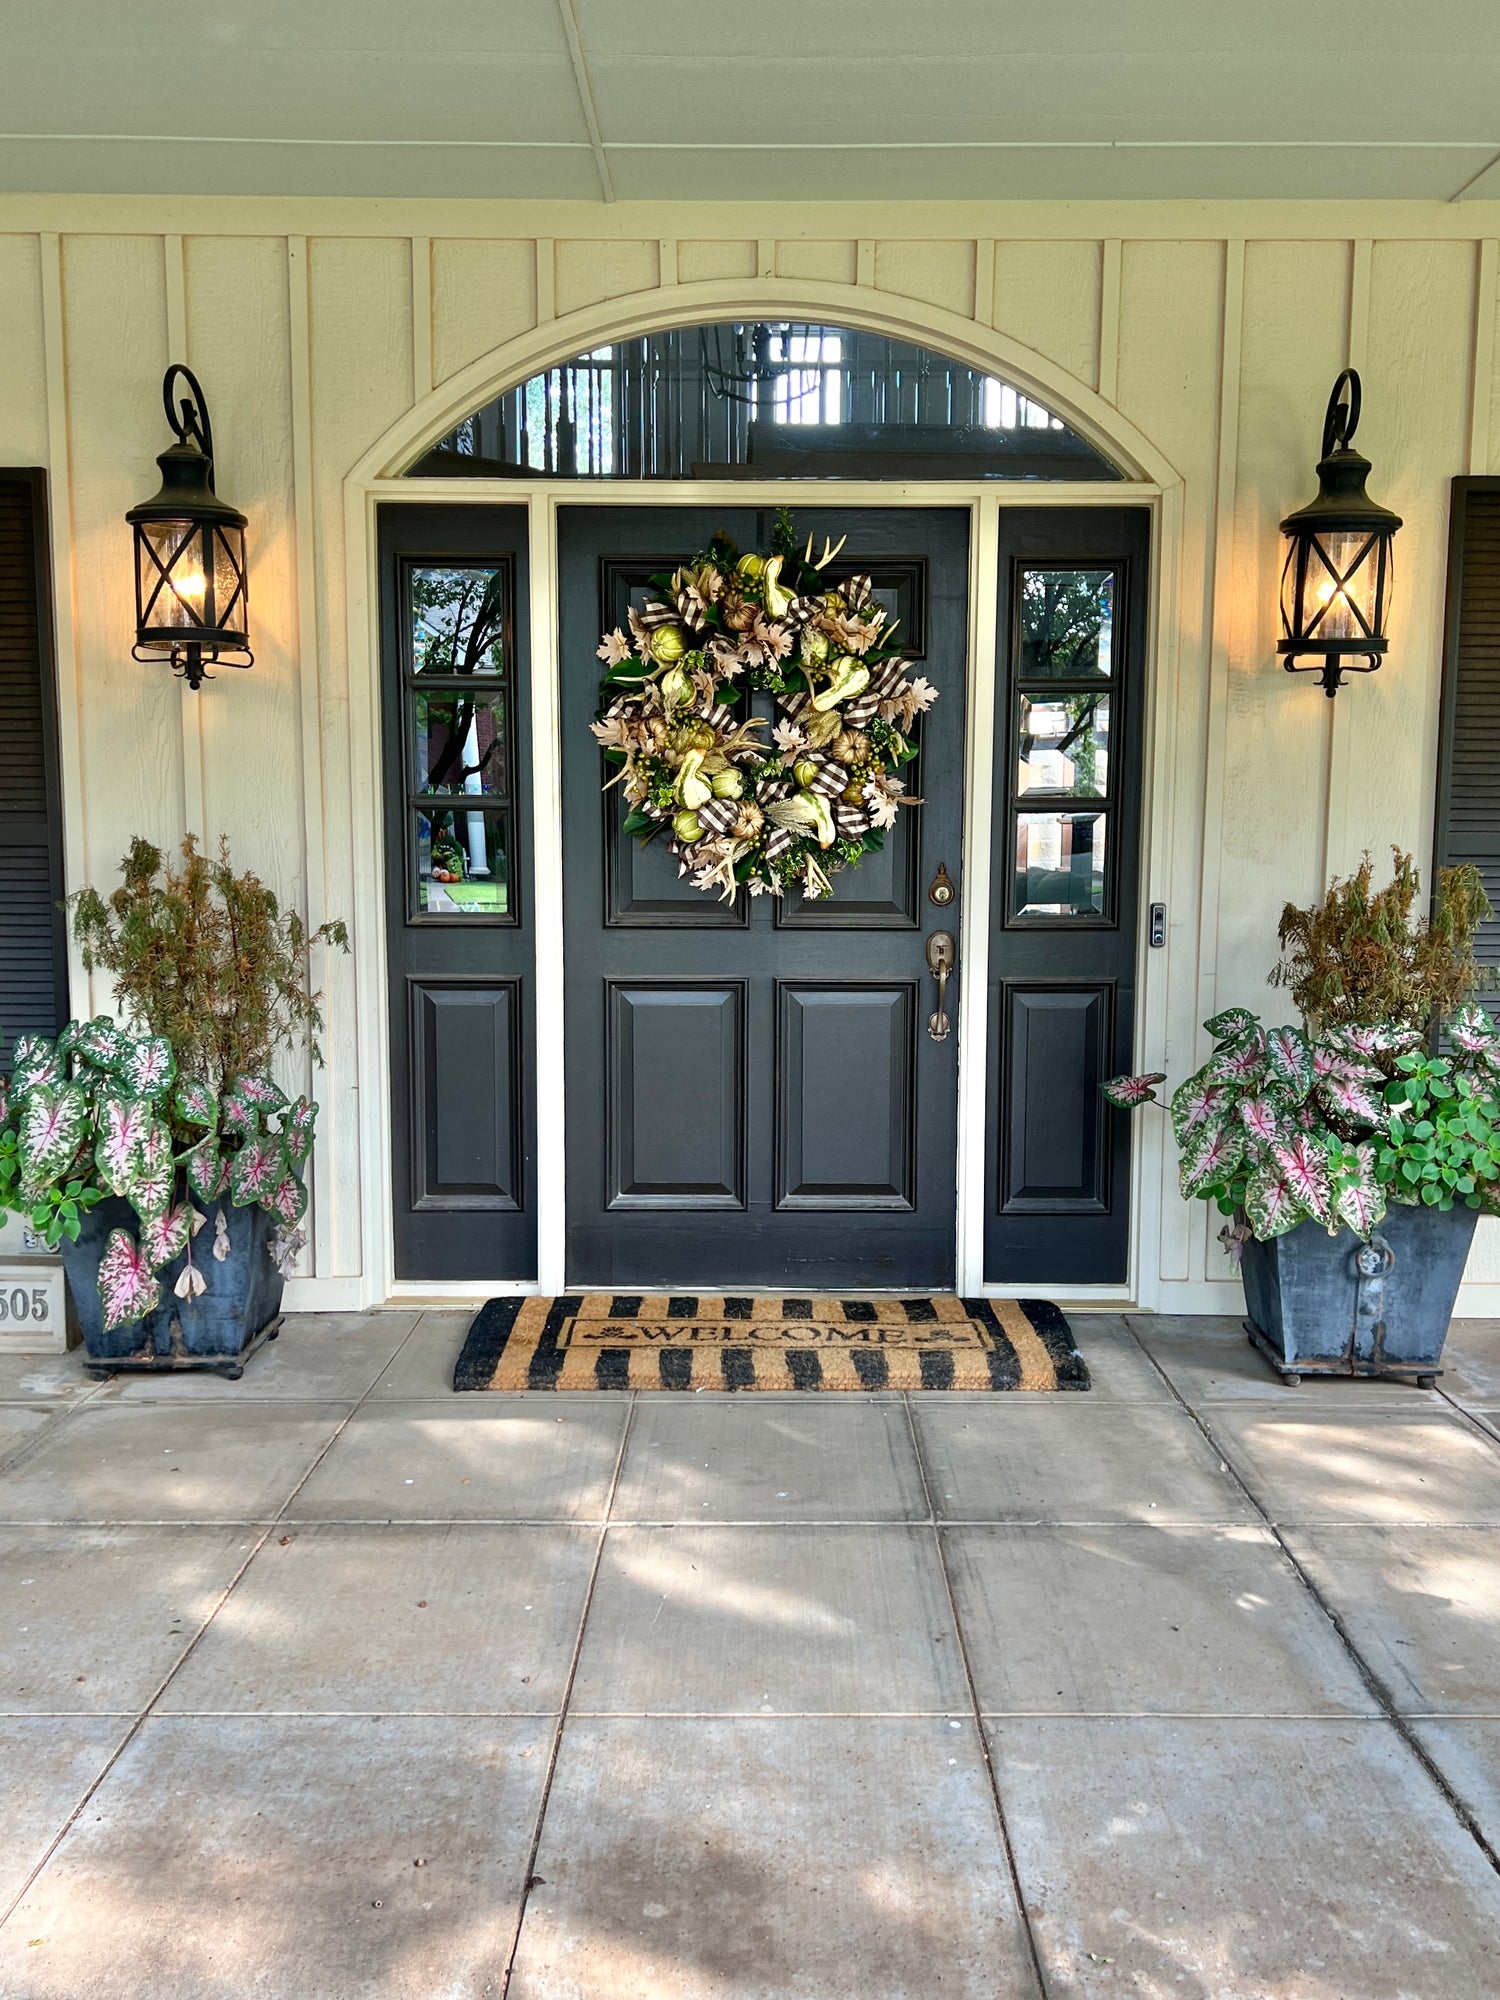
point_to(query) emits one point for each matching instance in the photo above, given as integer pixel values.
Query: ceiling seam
(586, 96)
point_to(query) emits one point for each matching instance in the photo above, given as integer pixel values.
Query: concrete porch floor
(330, 1683)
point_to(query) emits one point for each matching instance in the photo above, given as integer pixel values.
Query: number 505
(19, 1303)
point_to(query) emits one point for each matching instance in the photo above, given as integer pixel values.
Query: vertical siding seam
(765, 257)
(1341, 716)
(1111, 260)
(546, 279)
(1482, 378)
(1221, 561)
(666, 262)
(194, 786)
(304, 556)
(64, 602)
(864, 262)
(984, 281)
(421, 317)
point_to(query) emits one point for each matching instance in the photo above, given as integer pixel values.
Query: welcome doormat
(604, 1340)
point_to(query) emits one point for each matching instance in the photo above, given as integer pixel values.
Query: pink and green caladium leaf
(1304, 1166)
(53, 1124)
(37, 1065)
(127, 1284)
(1360, 1203)
(165, 1236)
(1472, 1031)
(196, 1103)
(1262, 1119)
(1211, 1155)
(1242, 1062)
(1122, 1091)
(123, 1125)
(1199, 1101)
(1353, 1097)
(1289, 1062)
(238, 1114)
(288, 1202)
(1232, 1025)
(257, 1170)
(100, 1042)
(147, 1067)
(207, 1169)
(297, 1125)
(1271, 1208)
(147, 1182)
(259, 1091)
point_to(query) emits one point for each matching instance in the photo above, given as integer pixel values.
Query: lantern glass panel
(227, 610)
(173, 583)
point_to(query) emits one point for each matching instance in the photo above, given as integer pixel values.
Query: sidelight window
(457, 694)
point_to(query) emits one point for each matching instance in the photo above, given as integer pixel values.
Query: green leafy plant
(1361, 954)
(1441, 1143)
(206, 961)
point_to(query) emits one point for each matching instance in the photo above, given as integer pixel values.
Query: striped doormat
(603, 1340)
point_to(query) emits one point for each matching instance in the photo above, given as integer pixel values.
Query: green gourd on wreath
(739, 809)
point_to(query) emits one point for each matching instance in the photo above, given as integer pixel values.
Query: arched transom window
(778, 398)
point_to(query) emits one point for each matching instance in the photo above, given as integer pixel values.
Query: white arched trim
(637, 313)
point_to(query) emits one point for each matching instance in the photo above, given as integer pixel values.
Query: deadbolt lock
(941, 890)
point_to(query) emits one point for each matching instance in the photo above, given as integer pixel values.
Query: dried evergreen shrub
(1360, 956)
(207, 958)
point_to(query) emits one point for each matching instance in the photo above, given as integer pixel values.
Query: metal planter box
(240, 1308)
(1331, 1305)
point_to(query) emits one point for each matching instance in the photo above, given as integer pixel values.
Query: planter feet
(230, 1366)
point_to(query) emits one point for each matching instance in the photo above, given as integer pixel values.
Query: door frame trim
(544, 500)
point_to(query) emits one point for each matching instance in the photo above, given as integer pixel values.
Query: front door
(753, 1094)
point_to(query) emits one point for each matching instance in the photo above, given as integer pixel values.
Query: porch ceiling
(652, 99)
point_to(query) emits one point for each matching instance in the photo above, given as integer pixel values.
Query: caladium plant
(1280, 1127)
(103, 1112)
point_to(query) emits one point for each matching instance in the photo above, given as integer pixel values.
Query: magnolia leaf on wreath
(36, 1065)
(147, 1067)
(52, 1126)
(257, 1170)
(127, 1284)
(676, 730)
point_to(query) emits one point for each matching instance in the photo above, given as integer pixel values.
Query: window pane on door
(458, 741)
(458, 620)
(1067, 623)
(1059, 865)
(462, 867)
(1064, 745)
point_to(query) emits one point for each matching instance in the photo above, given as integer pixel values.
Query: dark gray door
(1064, 921)
(753, 1097)
(456, 730)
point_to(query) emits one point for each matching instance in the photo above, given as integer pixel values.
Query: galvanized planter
(1332, 1305)
(240, 1308)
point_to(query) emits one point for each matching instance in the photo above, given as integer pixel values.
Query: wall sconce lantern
(1336, 582)
(191, 591)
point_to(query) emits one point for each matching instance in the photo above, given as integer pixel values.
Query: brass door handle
(941, 959)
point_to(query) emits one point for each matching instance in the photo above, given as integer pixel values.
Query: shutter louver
(33, 993)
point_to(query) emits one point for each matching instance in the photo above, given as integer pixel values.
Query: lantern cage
(1336, 580)
(191, 585)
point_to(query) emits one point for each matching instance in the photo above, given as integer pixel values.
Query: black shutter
(33, 956)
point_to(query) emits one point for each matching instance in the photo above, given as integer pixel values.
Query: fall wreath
(739, 809)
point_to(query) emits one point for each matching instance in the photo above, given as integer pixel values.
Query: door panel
(676, 1064)
(835, 1165)
(837, 1147)
(1065, 892)
(455, 730)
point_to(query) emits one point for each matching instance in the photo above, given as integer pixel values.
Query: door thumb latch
(941, 959)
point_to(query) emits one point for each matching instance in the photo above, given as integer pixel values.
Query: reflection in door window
(1064, 745)
(1067, 623)
(1059, 864)
(458, 750)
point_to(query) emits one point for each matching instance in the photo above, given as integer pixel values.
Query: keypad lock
(941, 889)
